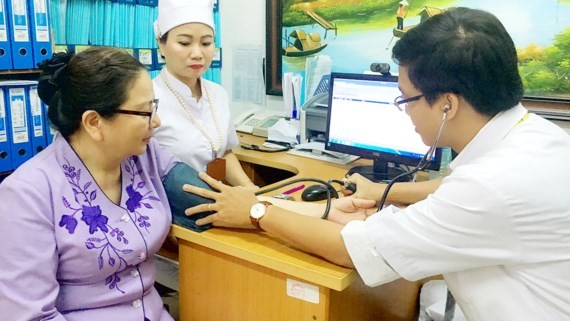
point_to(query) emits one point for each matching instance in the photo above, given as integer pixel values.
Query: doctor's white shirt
(178, 134)
(497, 229)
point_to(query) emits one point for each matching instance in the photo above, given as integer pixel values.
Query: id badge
(217, 169)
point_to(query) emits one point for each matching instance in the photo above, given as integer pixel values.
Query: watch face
(257, 210)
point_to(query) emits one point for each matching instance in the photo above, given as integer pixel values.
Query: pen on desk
(294, 189)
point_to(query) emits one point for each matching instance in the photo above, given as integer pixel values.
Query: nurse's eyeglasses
(402, 103)
(150, 114)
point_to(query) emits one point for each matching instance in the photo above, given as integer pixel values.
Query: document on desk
(316, 150)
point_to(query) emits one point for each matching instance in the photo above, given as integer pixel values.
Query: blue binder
(48, 131)
(16, 106)
(40, 30)
(5, 151)
(157, 61)
(150, 3)
(22, 57)
(37, 121)
(5, 49)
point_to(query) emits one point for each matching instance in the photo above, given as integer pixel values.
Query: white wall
(243, 23)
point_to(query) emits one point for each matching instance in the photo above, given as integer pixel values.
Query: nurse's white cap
(173, 13)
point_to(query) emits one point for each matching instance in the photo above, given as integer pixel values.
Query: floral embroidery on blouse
(104, 234)
(136, 199)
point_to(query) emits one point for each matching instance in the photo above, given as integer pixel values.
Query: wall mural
(357, 33)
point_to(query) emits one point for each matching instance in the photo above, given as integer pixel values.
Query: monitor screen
(362, 120)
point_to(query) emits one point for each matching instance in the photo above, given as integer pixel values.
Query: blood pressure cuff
(179, 200)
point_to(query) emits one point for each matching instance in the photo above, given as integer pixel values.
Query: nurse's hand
(346, 209)
(365, 188)
(231, 204)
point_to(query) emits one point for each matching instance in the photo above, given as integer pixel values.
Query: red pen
(294, 189)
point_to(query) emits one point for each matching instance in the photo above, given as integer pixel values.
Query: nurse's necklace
(215, 148)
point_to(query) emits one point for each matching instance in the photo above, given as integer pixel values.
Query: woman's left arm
(235, 175)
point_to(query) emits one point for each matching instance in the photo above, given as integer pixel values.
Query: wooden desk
(238, 275)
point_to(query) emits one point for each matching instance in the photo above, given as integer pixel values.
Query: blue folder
(22, 57)
(16, 105)
(125, 1)
(49, 132)
(40, 30)
(157, 61)
(5, 48)
(150, 3)
(37, 121)
(5, 151)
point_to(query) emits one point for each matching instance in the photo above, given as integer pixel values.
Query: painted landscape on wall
(357, 33)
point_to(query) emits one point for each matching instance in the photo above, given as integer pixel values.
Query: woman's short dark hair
(96, 79)
(463, 51)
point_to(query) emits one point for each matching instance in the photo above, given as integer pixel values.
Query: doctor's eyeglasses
(402, 103)
(150, 114)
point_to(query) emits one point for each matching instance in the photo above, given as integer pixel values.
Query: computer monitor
(362, 120)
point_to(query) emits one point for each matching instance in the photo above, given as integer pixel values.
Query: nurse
(497, 228)
(81, 221)
(195, 114)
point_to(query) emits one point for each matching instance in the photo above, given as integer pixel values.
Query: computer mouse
(318, 192)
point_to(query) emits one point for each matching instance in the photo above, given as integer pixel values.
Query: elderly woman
(81, 221)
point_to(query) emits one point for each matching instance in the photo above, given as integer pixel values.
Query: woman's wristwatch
(257, 212)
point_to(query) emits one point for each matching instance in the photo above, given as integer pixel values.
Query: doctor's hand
(346, 209)
(365, 188)
(231, 204)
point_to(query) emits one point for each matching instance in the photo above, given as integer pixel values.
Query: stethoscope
(421, 164)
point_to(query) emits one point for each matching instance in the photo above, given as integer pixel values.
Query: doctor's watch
(256, 213)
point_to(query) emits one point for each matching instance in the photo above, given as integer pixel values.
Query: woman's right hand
(365, 188)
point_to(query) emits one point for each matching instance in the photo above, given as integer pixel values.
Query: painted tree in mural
(547, 70)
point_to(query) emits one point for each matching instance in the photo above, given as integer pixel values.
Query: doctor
(196, 123)
(497, 228)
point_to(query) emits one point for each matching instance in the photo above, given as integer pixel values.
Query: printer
(313, 118)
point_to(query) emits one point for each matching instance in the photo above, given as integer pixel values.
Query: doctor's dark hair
(463, 51)
(96, 79)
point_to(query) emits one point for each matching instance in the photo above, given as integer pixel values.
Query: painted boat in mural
(424, 14)
(303, 44)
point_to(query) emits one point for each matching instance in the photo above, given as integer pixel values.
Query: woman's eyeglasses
(402, 103)
(150, 114)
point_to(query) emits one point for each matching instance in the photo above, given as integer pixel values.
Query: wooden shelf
(20, 72)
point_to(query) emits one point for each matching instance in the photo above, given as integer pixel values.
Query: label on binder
(3, 130)
(18, 113)
(3, 33)
(21, 33)
(36, 108)
(145, 56)
(42, 31)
